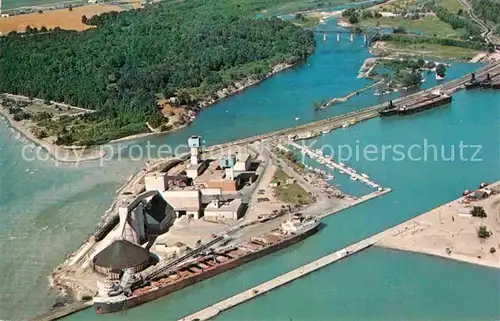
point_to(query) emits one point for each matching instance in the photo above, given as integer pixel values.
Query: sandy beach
(60, 154)
(447, 231)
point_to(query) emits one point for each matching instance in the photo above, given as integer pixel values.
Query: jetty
(61, 312)
(315, 128)
(332, 164)
(215, 309)
(265, 287)
(337, 100)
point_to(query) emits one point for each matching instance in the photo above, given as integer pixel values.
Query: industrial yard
(177, 213)
(176, 205)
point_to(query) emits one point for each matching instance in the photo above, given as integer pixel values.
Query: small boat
(364, 175)
(341, 172)
(345, 125)
(354, 178)
(342, 164)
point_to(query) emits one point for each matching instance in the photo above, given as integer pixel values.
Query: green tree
(440, 70)
(483, 232)
(478, 211)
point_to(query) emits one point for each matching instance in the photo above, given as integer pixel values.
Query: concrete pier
(213, 310)
(58, 313)
(265, 287)
(331, 164)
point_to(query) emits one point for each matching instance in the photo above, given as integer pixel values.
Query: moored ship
(134, 290)
(431, 100)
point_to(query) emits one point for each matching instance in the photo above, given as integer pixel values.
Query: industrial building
(223, 211)
(161, 181)
(146, 216)
(119, 255)
(184, 202)
(196, 165)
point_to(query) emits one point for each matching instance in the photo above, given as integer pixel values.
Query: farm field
(13, 4)
(63, 18)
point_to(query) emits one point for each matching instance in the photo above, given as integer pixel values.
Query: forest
(488, 10)
(185, 49)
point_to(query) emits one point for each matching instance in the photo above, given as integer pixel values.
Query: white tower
(194, 143)
(230, 173)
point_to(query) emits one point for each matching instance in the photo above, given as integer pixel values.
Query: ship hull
(426, 106)
(388, 112)
(129, 303)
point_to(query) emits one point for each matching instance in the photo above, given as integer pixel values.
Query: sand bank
(58, 153)
(446, 231)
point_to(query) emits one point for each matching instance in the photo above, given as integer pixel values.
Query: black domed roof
(121, 254)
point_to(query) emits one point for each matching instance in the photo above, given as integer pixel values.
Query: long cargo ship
(429, 101)
(133, 290)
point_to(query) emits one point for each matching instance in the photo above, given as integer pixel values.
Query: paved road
(487, 32)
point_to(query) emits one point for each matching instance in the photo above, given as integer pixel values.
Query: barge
(136, 289)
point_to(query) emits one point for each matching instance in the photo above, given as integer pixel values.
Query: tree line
(188, 49)
(455, 21)
(433, 40)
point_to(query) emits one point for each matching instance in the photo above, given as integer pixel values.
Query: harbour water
(47, 211)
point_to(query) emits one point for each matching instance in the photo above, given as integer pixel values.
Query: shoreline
(54, 151)
(73, 155)
(449, 232)
(223, 93)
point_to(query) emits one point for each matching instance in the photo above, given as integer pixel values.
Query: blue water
(50, 212)
(376, 284)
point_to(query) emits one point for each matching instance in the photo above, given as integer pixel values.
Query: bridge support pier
(338, 37)
(352, 37)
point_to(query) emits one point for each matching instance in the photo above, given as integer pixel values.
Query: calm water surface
(47, 211)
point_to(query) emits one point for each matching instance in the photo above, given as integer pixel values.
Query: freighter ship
(431, 100)
(134, 290)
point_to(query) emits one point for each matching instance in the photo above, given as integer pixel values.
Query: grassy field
(452, 5)
(290, 193)
(63, 18)
(429, 25)
(394, 5)
(430, 50)
(291, 6)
